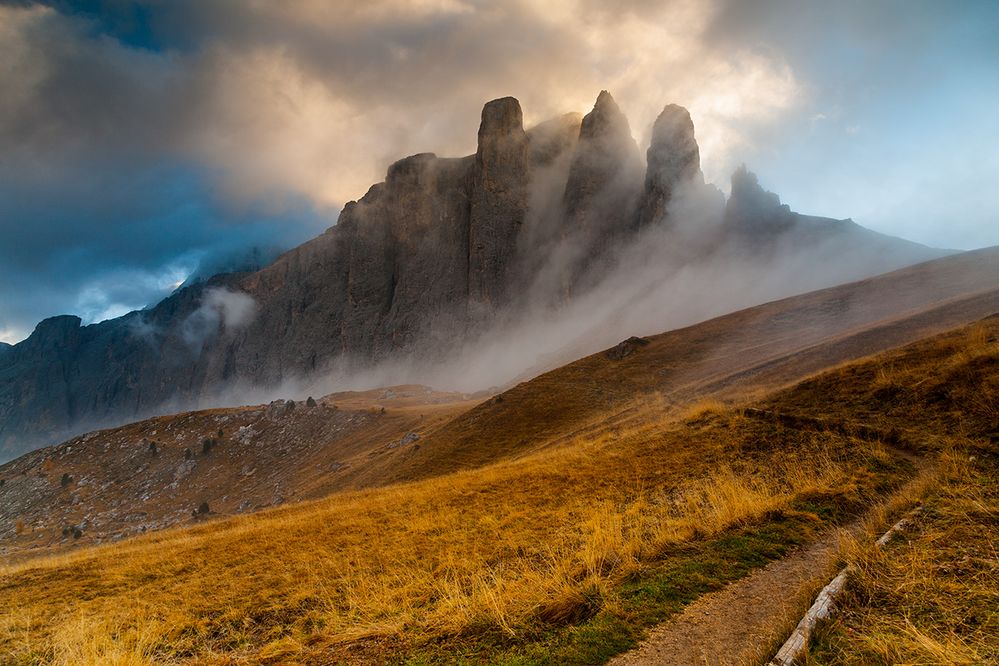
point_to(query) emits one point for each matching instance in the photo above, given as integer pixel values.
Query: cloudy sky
(141, 142)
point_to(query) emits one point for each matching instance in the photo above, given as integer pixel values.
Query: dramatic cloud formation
(139, 140)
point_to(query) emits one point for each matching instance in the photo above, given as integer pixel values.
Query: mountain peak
(605, 120)
(498, 200)
(752, 210)
(501, 116)
(673, 152)
(442, 252)
(672, 160)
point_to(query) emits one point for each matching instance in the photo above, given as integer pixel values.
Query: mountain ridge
(138, 477)
(440, 253)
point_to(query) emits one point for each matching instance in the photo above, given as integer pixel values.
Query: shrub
(66, 479)
(220, 433)
(310, 402)
(188, 454)
(203, 508)
(77, 533)
(207, 444)
(152, 448)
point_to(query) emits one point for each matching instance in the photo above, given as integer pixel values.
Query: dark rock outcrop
(672, 161)
(755, 213)
(601, 192)
(498, 200)
(442, 250)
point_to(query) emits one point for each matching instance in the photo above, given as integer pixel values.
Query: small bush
(152, 448)
(188, 453)
(203, 508)
(207, 444)
(220, 434)
(65, 480)
(310, 402)
(77, 533)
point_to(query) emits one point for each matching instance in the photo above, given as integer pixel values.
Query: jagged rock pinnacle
(500, 117)
(605, 121)
(605, 151)
(498, 199)
(673, 159)
(603, 185)
(753, 211)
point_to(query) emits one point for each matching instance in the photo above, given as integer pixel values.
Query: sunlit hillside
(563, 556)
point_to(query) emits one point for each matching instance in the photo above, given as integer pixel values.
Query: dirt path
(731, 626)
(736, 624)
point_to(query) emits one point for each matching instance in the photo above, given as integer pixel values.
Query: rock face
(601, 191)
(498, 200)
(442, 250)
(673, 160)
(753, 212)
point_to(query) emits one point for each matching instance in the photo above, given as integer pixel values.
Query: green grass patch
(657, 593)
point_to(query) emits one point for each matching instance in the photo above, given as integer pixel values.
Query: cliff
(441, 251)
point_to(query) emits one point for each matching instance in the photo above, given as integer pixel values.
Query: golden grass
(931, 597)
(503, 549)
(927, 392)
(704, 408)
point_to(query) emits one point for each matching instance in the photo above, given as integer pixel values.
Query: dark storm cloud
(138, 137)
(101, 210)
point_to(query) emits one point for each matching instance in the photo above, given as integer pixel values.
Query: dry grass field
(932, 596)
(565, 555)
(492, 560)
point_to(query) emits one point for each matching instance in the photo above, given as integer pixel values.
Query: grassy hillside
(152, 474)
(752, 351)
(931, 597)
(107, 485)
(490, 559)
(562, 556)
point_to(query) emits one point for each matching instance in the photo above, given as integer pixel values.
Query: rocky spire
(553, 138)
(671, 161)
(600, 191)
(753, 211)
(605, 122)
(498, 199)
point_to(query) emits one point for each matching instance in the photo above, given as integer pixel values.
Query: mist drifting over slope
(671, 274)
(699, 257)
(461, 273)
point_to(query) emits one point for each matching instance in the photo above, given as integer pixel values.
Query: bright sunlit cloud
(130, 139)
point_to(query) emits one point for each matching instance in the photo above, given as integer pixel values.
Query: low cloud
(222, 311)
